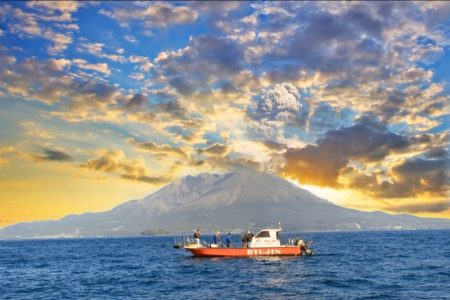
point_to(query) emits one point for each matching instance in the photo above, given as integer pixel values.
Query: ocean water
(347, 265)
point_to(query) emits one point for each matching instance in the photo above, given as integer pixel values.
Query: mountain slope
(243, 200)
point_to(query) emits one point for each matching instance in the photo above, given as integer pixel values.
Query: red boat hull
(246, 252)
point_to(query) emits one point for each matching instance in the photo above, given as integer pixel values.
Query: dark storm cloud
(328, 39)
(216, 149)
(161, 105)
(418, 175)
(438, 206)
(158, 148)
(438, 152)
(360, 19)
(289, 73)
(221, 156)
(422, 139)
(183, 86)
(94, 90)
(148, 179)
(346, 44)
(137, 100)
(273, 145)
(368, 140)
(106, 162)
(412, 177)
(205, 61)
(173, 106)
(114, 161)
(314, 165)
(360, 181)
(369, 50)
(393, 105)
(52, 155)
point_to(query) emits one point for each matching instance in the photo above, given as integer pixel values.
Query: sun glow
(342, 197)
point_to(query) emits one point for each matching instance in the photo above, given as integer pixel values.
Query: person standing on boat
(244, 240)
(228, 240)
(197, 236)
(217, 238)
(248, 238)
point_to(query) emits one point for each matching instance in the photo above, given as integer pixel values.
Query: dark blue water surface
(349, 265)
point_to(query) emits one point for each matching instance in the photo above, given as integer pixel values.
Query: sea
(346, 265)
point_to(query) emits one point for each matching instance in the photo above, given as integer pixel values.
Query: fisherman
(217, 238)
(244, 240)
(248, 238)
(228, 240)
(304, 247)
(197, 236)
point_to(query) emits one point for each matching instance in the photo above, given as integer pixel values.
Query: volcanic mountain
(228, 202)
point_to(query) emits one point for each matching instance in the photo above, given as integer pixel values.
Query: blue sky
(346, 99)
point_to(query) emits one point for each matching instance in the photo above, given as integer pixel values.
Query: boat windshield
(263, 234)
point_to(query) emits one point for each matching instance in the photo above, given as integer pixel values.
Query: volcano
(227, 202)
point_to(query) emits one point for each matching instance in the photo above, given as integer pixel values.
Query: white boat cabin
(266, 238)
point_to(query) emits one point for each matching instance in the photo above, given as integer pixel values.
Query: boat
(265, 243)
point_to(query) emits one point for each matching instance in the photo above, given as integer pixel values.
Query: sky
(104, 102)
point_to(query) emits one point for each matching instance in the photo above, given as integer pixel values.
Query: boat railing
(183, 241)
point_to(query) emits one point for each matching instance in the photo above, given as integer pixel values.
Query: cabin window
(263, 234)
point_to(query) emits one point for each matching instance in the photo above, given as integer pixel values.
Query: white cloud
(60, 41)
(59, 64)
(131, 39)
(73, 27)
(100, 67)
(145, 64)
(250, 19)
(137, 76)
(26, 25)
(97, 49)
(159, 14)
(56, 10)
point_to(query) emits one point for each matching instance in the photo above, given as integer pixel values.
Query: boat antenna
(279, 225)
